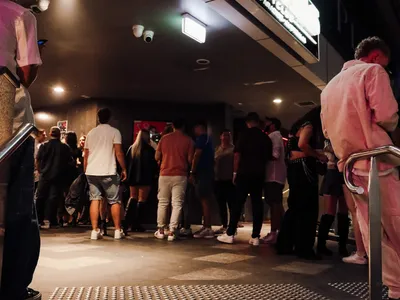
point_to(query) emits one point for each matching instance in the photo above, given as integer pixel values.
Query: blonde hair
(138, 144)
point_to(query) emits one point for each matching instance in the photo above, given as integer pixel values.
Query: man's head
(104, 115)
(373, 50)
(226, 136)
(253, 120)
(55, 133)
(200, 128)
(41, 136)
(273, 124)
(178, 124)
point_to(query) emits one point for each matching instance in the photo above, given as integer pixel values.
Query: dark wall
(125, 113)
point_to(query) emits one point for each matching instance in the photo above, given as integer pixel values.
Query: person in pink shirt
(358, 111)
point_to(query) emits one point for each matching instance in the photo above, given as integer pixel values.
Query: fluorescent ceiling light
(277, 101)
(43, 116)
(193, 28)
(58, 90)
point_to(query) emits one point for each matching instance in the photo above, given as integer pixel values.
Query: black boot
(343, 231)
(137, 221)
(323, 232)
(130, 211)
(103, 227)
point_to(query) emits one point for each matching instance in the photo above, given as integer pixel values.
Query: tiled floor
(70, 259)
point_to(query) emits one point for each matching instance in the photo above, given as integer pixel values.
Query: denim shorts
(107, 187)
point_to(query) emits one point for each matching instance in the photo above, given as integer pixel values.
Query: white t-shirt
(18, 37)
(23, 112)
(100, 142)
(276, 168)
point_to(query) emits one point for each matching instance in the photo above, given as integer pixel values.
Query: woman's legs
(325, 225)
(143, 194)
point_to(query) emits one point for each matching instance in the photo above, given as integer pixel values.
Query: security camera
(148, 36)
(138, 30)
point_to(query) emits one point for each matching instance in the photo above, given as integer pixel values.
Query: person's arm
(85, 159)
(158, 155)
(28, 54)
(277, 145)
(381, 99)
(304, 144)
(119, 154)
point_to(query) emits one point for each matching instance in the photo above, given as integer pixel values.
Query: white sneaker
(171, 237)
(254, 242)
(159, 235)
(356, 259)
(270, 238)
(46, 225)
(226, 239)
(118, 234)
(96, 235)
(204, 233)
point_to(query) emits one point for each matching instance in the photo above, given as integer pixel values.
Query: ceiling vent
(305, 104)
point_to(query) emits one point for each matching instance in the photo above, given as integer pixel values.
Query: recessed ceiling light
(58, 89)
(43, 116)
(203, 61)
(85, 96)
(240, 103)
(201, 69)
(277, 101)
(257, 83)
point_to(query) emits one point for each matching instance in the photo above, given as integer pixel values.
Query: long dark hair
(313, 118)
(71, 140)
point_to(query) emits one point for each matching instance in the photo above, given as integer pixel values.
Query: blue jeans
(22, 237)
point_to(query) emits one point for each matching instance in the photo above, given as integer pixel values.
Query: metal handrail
(348, 167)
(374, 210)
(16, 140)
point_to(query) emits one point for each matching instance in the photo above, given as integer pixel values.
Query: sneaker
(33, 295)
(204, 233)
(220, 231)
(118, 234)
(226, 239)
(356, 259)
(270, 238)
(46, 225)
(159, 234)
(171, 237)
(185, 233)
(96, 235)
(254, 242)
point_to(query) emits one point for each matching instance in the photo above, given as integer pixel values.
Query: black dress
(142, 169)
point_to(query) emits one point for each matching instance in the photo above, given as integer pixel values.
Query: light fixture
(240, 103)
(43, 116)
(193, 28)
(58, 89)
(277, 101)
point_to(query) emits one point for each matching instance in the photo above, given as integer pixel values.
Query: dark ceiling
(92, 52)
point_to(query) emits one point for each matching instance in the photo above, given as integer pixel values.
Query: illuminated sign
(300, 18)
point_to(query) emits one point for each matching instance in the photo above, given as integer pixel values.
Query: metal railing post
(375, 233)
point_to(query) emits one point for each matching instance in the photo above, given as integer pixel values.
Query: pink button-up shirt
(358, 109)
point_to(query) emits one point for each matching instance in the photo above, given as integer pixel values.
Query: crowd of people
(81, 180)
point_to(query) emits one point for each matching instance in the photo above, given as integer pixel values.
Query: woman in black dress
(142, 170)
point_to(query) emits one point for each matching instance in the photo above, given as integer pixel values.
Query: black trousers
(22, 237)
(49, 195)
(246, 185)
(300, 220)
(225, 194)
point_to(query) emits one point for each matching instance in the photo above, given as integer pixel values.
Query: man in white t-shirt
(275, 179)
(20, 54)
(102, 146)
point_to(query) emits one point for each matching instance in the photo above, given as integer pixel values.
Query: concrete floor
(70, 259)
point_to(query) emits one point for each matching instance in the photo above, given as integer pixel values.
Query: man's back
(100, 143)
(176, 149)
(255, 149)
(54, 158)
(356, 106)
(17, 27)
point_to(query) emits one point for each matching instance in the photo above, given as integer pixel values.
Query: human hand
(123, 175)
